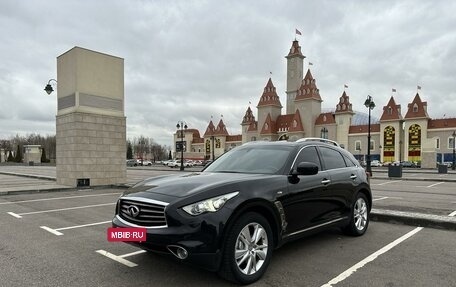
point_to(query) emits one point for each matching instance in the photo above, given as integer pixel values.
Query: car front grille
(143, 213)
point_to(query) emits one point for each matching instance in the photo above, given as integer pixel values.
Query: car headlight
(209, 205)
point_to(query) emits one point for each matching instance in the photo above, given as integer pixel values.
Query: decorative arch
(414, 143)
(389, 140)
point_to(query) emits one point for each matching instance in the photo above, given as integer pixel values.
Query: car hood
(183, 185)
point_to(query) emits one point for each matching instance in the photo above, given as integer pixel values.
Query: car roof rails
(319, 140)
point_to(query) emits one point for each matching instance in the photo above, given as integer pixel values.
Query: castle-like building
(413, 137)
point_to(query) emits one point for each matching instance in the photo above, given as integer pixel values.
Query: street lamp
(369, 103)
(213, 151)
(454, 147)
(181, 125)
(48, 87)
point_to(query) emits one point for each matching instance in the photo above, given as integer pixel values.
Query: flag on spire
(310, 64)
(298, 32)
(345, 86)
(393, 90)
(418, 87)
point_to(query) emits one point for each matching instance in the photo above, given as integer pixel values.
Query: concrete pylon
(90, 122)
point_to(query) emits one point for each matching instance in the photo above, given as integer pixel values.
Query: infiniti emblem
(132, 210)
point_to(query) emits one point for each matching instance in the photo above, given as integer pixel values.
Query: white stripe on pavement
(388, 182)
(14, 214)
(381, 198)
(56, 231)
(53, 231)
(116, 258)
(347, 273)
(63, 209)
(133, 253)
(56, 198)
(432, 185)
(452, 214)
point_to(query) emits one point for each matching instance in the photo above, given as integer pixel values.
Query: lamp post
(380, 150)
(48, 87)
(213, 147)
(181, 125)
(454, 147)
(369, 103)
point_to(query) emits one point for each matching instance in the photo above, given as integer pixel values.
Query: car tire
(359, 217)
(245, 259)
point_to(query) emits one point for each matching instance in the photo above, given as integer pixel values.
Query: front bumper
(201, 240)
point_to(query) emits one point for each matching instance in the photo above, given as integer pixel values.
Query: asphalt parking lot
(60, 239)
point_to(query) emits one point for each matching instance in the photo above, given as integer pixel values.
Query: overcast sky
(190, 60)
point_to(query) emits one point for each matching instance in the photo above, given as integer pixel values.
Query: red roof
(248, 117)
(442, 123)
(417, 108)
(308, 89)
(289, 123)
(361, 129)
(269, 126)
(221, 129)
(344, 105)
(295, 50)
(197, 140)
(234, 138)
(391, 111)
(325, 119)
(195, 132)
(210, 130)
(269, 96)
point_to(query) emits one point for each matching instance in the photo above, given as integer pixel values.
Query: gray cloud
(192, 60)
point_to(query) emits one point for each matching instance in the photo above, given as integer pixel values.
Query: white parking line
(388, 182)
(381, 198)
(452, 214)
(56, 230)
(56, 198)
(432, 185)
(120, 258)
(133, 253)
(19, 215)
(347, 273)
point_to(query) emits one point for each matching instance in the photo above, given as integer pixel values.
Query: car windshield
(252, 159)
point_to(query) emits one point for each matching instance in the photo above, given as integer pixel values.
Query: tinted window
(252, 159)
(332, 158)
(309, 154)
(348, 161)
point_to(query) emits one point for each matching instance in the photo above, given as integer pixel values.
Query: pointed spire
(295, 50)
(417, 108)
(248, 117)
(269, 96)
(344, 105)
(221, 129)
(391, 111)
(210, 130)
(308, 89)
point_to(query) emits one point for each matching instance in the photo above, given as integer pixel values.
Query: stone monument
(90, 122)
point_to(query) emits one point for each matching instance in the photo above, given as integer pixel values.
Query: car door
(303, 204)
(341, 186)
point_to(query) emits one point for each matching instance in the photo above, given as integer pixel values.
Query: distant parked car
(408, 164)
(132, 162)
(376, 163)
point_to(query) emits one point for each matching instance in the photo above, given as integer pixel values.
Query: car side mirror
(303, 168)
(307, 168)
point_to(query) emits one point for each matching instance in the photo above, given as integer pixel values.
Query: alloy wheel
(251, 248)
(360, 214)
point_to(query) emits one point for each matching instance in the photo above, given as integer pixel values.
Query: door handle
(325, 181)
(353, 176)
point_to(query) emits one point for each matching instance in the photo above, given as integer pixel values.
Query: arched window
(415, 108)
(324, 133)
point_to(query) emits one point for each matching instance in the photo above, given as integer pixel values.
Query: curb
(51, 178)
(415, 179)
(413, 219)
(62, 189)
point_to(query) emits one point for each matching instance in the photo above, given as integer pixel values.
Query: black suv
(231, 216)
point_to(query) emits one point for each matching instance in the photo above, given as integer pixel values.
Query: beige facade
(90, 124)
(412, 137)
(32, 153)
